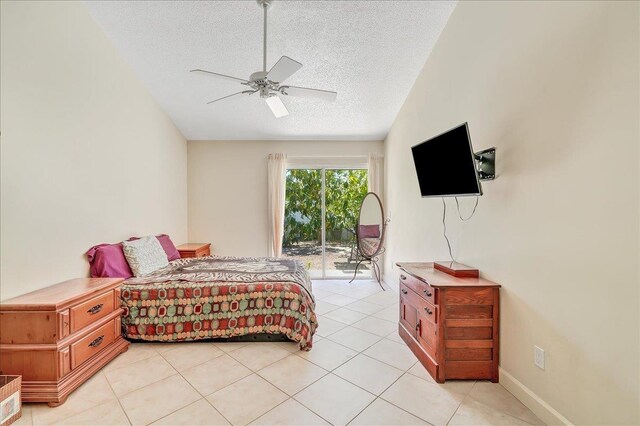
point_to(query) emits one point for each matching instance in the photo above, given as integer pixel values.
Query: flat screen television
(446, 166)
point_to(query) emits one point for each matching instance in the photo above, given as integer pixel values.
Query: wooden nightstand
(59, 336)
(194, 249)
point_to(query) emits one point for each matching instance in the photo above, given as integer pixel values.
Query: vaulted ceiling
(370, 52)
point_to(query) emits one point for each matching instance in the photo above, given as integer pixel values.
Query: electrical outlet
(538, 357)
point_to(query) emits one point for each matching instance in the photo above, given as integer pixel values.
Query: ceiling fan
(269, 84)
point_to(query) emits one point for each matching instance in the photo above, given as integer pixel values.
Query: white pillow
(145, 255)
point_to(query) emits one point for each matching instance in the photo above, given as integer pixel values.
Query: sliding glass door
(321, 210)
(303, 219)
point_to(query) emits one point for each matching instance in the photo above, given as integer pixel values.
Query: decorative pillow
(108, 261)
(168, 246)
(369, 231)
(145, 255)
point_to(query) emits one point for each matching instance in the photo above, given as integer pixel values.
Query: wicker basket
(10, 402)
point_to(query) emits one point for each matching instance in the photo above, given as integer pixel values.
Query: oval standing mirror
(370, 232)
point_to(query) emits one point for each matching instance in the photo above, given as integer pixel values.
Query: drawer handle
(404, 291)
(427, 293)
(96, 342)
(95, 309)
(419, 327)
(428, 311)
(402, 277)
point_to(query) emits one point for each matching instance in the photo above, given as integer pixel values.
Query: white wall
(555, 87)
(228, 203)
(87, 154)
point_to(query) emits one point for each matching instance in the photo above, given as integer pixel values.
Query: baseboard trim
(540, 408)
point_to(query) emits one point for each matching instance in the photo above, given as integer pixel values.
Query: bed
(221, 298)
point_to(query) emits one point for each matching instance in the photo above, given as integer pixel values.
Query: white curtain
(277, 168)
(376, 173)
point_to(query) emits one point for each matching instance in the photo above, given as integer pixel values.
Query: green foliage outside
(345, 190)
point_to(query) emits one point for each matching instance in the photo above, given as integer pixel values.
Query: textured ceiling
(370, 52)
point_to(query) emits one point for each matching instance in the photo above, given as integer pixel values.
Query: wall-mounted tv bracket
(486, 163)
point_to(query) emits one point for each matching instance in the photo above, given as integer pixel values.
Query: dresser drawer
(91, 310)
(426, 310)
(194, 250)
(93, 343)
(203, 253)
(423, 289)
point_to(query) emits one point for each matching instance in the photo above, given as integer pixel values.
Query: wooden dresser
(57, 337)
(451, 324)
(194, 249)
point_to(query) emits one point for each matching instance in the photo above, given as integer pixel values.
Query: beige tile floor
(359, 373)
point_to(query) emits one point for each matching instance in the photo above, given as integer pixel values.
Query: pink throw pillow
(108, 261)
(169, 247)
(369, 231)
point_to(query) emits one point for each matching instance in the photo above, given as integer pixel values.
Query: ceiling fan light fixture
(277, 106)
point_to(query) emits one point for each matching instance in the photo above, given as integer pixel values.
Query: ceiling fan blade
(283, 69)
(233, 94)
(305, 92)
(215, 74)
(277, 107)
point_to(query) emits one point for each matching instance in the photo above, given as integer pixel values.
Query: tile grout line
(379, 397)
(196, 365)
(309, 408)
(361, 353)
(118, 399)
(148, 384)
(331, 371)
(495, 409)
(177, 373)
(94, 406)
(81, 411)
(460, 404)
(272, 384)
(203, 397)
(414, 415)
(265, 366)
(270, 410)
(237, 380)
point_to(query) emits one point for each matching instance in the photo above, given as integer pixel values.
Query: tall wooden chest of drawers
(59, 336)
(451, 324)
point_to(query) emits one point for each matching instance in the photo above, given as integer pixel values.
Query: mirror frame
(383, 227)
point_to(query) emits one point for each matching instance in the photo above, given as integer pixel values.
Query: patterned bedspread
(221, 297)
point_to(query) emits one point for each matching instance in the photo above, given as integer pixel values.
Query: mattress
(221, 297)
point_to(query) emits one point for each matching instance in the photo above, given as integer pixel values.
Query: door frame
(356, 162)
